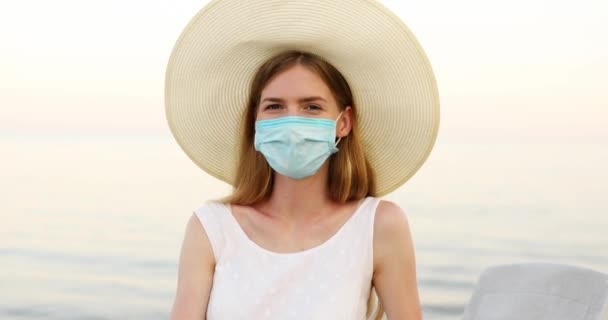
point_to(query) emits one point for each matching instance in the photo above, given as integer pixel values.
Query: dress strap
(363, 230)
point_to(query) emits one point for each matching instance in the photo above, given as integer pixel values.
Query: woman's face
(297, 91)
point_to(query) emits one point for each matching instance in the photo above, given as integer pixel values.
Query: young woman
(303, 234)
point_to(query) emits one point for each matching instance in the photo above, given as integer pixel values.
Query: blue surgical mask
(296, 146)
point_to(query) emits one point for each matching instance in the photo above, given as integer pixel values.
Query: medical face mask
(296, 146)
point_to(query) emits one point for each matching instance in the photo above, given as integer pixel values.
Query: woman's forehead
(296, 83)
(297, 77)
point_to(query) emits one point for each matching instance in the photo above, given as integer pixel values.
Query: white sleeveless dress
(329, 281)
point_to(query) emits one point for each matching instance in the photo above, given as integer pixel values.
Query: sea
(91, 225)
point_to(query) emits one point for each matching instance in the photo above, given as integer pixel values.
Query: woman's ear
(345, 123)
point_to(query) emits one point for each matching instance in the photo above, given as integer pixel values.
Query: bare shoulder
(389, 214)
(391, 229)
(196, 242)
(195, 272)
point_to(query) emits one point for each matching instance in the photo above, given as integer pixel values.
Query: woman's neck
(299, 200)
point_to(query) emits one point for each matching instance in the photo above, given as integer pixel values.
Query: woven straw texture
(215, 57)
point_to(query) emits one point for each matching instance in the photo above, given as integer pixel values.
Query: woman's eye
(313, 107)
(272, 107)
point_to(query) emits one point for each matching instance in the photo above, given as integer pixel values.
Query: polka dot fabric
(329, 281)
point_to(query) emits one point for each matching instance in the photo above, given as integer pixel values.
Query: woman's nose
(293, 110)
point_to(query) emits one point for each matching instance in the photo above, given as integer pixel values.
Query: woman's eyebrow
(306, 99)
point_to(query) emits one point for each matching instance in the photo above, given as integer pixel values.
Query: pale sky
(519, 69)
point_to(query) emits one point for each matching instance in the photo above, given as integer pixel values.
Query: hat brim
(394, 88)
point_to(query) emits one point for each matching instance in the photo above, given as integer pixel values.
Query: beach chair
(539, 291)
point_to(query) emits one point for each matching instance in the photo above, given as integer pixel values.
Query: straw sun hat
(215, 57)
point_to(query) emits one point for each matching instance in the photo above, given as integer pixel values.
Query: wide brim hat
(213, 62)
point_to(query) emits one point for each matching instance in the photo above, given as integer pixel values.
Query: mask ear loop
(340, 138)
(336, 144)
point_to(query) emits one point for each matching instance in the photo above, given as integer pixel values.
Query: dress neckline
(308, 251)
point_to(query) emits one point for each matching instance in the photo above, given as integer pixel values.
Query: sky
(517, 70)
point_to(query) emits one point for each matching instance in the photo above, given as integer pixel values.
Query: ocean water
(92, 225)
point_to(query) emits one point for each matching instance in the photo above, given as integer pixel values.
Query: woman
(303, 235)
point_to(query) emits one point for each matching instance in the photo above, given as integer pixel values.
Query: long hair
(350, 175)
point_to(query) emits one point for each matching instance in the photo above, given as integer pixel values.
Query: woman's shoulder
(210, 205)
(391, 228)
(388, 214)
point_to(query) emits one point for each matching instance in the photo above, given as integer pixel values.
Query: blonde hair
(350, 174)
